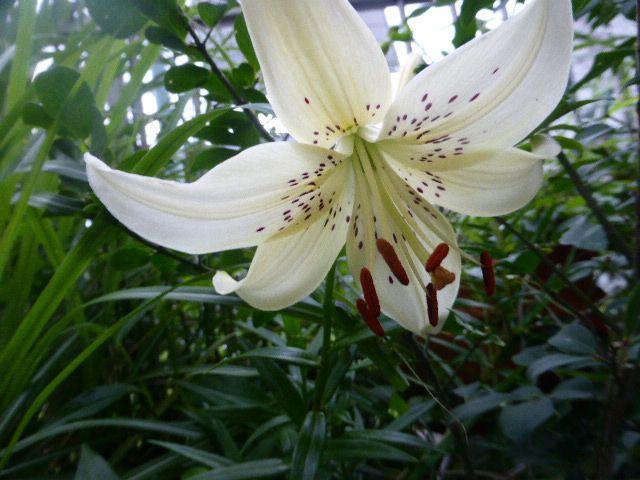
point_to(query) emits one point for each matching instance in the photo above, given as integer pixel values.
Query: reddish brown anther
(432, 305)
(369, 290)
(488, 273)
(392, 260)
(436, 258)
(371, 320)
(441, 277)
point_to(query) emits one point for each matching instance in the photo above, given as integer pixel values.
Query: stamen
(488, 273)
(432, 305)
(372, 321)
(436, 258)
(369, 290)
(441, 277)
(392, 260)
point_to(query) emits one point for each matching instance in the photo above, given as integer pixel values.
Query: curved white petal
(242, 202)
(484, 183)
(322, 67)
(384, 209)
(289, 266)
(496, 89)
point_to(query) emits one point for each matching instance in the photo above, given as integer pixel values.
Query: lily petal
(242, 202)
(484, 183)
(290, 266)
(493, 91)
(386, 210)
(324, 71)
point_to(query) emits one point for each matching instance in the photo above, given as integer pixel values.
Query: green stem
(585, 192)
(326, 336)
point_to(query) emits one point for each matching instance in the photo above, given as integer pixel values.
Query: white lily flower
(365, 169)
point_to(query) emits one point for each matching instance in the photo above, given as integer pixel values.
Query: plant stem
(228, 85)
(585, 192)
(326, 336)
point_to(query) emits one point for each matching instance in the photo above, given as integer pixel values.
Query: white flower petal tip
(493, 91)
(324, 72)
(545, 146)
(224, 283)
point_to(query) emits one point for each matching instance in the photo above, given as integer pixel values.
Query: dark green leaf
(308, 451)
(36, 115)
(92, 465)
(575, 339)
(282, 388)
(185, 77)
(244, 42)
(357, 449)
(119, 18)
(246, 471)
(165, 13)
(200, 456)
(211, 13)
(519, 421)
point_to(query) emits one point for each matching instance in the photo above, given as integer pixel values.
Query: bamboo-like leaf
(306, 456)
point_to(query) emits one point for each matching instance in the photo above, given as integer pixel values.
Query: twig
(612, 233)
(228, 85)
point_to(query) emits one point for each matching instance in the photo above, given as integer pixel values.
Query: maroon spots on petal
(474, 97)
(424, 97)
(307, 101)
(260, 229)
(453, 99)
(495, 71)
(360, 245)
(428, 107)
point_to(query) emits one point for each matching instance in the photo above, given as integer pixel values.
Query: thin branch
(228, 85)
(585, 192)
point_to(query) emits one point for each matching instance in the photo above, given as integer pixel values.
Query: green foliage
(119, 360)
